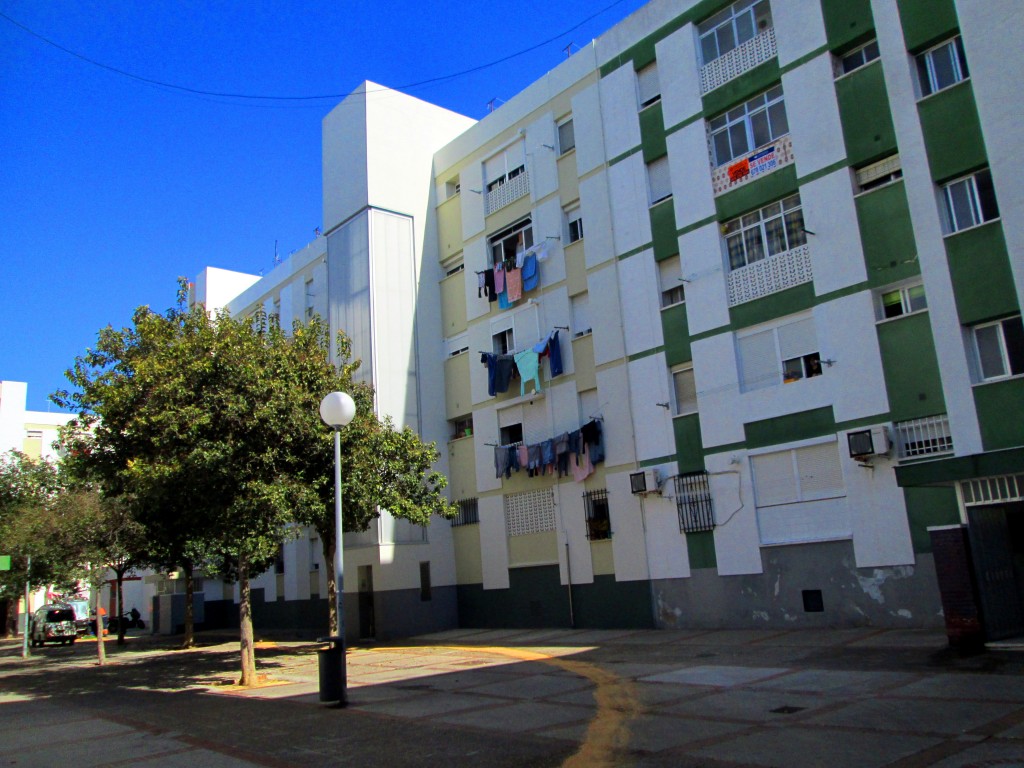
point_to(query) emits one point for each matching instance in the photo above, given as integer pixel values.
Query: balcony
(730, 176)
(770, 275)
(928, 436)
(504, 194)
(740, 59)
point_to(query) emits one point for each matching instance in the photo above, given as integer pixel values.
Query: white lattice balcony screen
(927, 436)
(740, 59)
(771, 275)
(530, 512)
(989, 490)
(756, 164)
(509, 192)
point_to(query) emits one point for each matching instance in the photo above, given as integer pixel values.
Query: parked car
(81, 609)
(53, 623)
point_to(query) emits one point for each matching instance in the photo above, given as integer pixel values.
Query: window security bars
(923, 437)
(469, 513)
(991, 490)
(598, 520)
(693, 502)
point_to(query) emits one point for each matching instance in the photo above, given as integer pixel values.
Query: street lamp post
(337, 410)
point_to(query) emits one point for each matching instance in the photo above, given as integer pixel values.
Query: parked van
(53, 623)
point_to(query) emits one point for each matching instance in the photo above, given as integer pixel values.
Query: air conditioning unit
(868, 442)
(642, 483)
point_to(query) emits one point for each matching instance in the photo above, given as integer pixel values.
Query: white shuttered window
(809, 473)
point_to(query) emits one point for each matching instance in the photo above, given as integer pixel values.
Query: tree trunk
(120, 606)
(189, 640)
(101, 647)
(332, 586)
(245, 625)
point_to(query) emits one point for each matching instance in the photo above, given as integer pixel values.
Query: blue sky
(112, 187)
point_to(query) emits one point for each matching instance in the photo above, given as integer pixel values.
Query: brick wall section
(955, 573)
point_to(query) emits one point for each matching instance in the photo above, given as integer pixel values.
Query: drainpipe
(568, 579)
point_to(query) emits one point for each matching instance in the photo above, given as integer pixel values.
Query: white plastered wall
(652, 423)
(13, 396)
(612, 391)
(800, 29)
(716, 377)
(679, 77)
(629, 547)
(572, 527)
(707, 300)
(471, 179)
(737, 543)
(813, 113)
(474, 259)
(846, 334)
(605, 316)
(639, 294)
(588, 129)
(493, 542)
(631, 222)
(689, 166)
(485, 430)
(547, 226)
(596, 207)
(619, 117)
(837, 256)
(541, 156)
(878, 516)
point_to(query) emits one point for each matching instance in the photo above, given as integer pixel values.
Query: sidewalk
(840, 698)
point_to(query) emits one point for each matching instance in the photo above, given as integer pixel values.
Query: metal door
(367, 625)
(992, 552)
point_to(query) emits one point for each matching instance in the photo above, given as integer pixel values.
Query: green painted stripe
(727, 448)
(822, 172)
(696, 225)
(624, 155)
(654, 462)
(646, 247)
(688, 121)
(646, 353)
(799, 62)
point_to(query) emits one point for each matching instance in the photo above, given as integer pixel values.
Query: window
(901, 301)
(566, 137)
(503, 342)
(425, 581)
(942, 66)
(457, 345)
(314, 557)
(670, 282)
(580, 315)
(599, 524)
(684, 391)
(858, 57)
(469, 513)
(969, 201)
(507, 243)
(694, 503)
(309, 298)
(1000, 348)
(759, 121)
(513, 433)
(772, 230)
(659, 180)
(647, 86)
(800, 474)
(462, 427)
(785, 353)
(732, 27)
(452, 187)
(455, 270)
(505, 166)
(574, 223)
(878, 174)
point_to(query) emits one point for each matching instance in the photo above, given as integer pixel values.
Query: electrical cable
(201, 92)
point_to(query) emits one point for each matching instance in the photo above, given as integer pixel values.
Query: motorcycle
(129, 620)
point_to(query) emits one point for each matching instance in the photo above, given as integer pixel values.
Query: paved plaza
(835, 698)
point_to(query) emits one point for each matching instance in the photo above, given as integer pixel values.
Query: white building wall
(612, 391)
(666, 545)
(679, 77)
(629, 546)
(837, 257)
(639, 297)
(605, 314)
(493, 542)
(813, 113)
(541, 155)
(631, 222)
(701, 260)
(799, 29)
(689, 166)
(846, 334)
(652, 422)
(576, 564)
(588, 129)
(595, 205)
(737, 541)
(619, 116)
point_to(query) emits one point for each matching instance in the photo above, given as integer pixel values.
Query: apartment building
(724, 314)
(31, 432)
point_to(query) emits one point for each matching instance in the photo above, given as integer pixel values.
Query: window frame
(644, 78)
(309, 298)
(927, 74)
(871, 46)
(657, 164)
(573, 216)
(508, 238)
(671, 294)
(580, 304)
(597, 511)
(729, 16)
(878, 174)
(677, 406)
(566, 123)
(802, 495)
(1009, 359)
(906, 298)
(739, 228)
(725, 122)
(975, 202)
(806, 360)
(516, 151)
(503, 342)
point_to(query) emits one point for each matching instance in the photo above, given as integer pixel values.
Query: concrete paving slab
(463, 680)
(534, 686)
(904, 638)
(816, 748)
(824, 638)
(749, 705)
(725, 637)
(967, 686)
(718, 676)
(655, 733)
(662, 636)
(55, 734)
(986, 755)
(520, 717)
(648, 694)
(838, 681)
(197, 757)
(946, 717)
(425, 705)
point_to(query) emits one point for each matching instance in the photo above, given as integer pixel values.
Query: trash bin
(332, 670)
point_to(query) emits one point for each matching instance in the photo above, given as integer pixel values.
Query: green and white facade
(783, 250)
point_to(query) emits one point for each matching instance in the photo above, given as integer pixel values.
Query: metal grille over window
(599, 525)
(988, 490)
(469, 513)
(693, 502)
(923, 437)
(530, 512)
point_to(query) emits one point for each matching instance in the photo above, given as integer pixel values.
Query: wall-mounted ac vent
(865, 443)
(642, 483)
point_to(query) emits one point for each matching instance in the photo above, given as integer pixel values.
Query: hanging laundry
(562, 454)
(531, 276)
(524, 456)
(555, 352)
(500, 461)
(529, 368)
(492, 295)
(593, 436)
(535, 464)
(583, 468)
(481, 285)
(547, 455)
(499, 277)
(514, 284)
(503, 376)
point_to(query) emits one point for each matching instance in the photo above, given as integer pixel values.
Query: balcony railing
(770, 275)
(740, 59)
(509, 192)
(928, 436)
(729, 176)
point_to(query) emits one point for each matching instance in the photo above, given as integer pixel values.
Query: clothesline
(549, 456)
